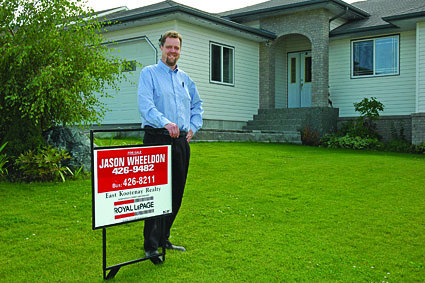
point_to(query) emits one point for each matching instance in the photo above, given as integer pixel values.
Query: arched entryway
(293, 76)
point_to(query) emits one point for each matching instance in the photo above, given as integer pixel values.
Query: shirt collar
(165, 67)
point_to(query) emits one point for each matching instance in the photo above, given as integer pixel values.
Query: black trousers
(180, 166)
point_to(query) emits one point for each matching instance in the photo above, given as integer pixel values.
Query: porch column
(320, 62)
(267, 76)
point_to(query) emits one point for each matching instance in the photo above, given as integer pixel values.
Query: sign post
(129, 183)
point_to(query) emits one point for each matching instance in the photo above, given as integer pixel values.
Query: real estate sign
(130, 184)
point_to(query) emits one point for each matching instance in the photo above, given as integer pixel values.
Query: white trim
(222, 46)
(419, 56)
(374, 39)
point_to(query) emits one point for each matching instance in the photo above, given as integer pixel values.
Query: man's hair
(170, 34)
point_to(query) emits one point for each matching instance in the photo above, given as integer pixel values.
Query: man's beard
(171, 62)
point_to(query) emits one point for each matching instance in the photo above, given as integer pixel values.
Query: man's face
(171, 51)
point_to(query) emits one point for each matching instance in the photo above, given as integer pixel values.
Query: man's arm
(196, 110)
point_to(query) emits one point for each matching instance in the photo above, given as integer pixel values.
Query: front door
(299, 79)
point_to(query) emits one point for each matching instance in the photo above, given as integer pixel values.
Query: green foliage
(361, 133)
(22, 135)
(364, 126)
(369, 108)
(369, 112)
(54, 68)
(399, 146)
(45, 165)
(53, 59)
(349, 142)
(420, 148)
(3, 160)
(309, 136)
(395, 134)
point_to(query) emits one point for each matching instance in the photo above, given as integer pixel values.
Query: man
(169, 99)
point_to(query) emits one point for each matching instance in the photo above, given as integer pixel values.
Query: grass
(251, 212)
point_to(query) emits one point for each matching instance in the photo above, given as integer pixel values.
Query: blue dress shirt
(166, 96)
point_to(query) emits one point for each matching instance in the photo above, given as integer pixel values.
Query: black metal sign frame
(113, 270)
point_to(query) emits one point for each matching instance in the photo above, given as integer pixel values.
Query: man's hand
(189, 135)
(173, 129)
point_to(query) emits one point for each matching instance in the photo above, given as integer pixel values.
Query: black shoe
(155, 257)
(170, 246)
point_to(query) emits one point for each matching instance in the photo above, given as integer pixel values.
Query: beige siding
(336, 23)
(122, 103)
(397, 93)
(133, 45)
(420, 67)
(221, 102)
(296, 43)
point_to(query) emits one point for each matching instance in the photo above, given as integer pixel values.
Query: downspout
(137, 38)
(154, 48)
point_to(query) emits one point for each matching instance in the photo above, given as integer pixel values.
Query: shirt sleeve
(196, 110)
(146, 103)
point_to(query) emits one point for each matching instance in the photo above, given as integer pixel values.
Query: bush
(369, 108)
(44, 165)
(309, 136)
(54, 70)
(3, 161)
(399, 146)
(369, 112)
(22, 135)
(349, 142)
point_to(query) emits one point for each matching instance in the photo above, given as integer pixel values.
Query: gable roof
(362, 16)
(273, 7)
(168, 10)
(383, 13)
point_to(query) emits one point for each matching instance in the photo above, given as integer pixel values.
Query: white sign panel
(130, 184)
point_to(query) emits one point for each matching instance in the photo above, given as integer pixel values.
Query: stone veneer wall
(418, 128)
(387, 124)
(314, 25)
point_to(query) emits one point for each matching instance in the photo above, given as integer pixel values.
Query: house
(285, 64)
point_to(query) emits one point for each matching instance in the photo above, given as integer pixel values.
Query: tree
(54, 69)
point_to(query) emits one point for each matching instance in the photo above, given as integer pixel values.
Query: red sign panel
(131, 168)
(131, 184)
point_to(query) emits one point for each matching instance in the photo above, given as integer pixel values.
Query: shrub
(44, 165)
(420, 148)
(3, 161)
(369, 108)
(399, 146)
(349, 142)
(309, 136)
(21, 135)
(369, 112)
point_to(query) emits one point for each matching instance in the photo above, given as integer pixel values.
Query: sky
(212, 6)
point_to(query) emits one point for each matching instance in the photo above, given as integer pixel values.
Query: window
(307, 69)
(221, 64)
(293, 70)
(129, 66)
(375, 57)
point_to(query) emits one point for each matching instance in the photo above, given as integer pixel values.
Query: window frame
(221, 81)
(374, 39)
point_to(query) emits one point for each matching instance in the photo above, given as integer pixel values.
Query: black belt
(163, 132)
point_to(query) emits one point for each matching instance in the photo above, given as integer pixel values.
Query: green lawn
(251, 213)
